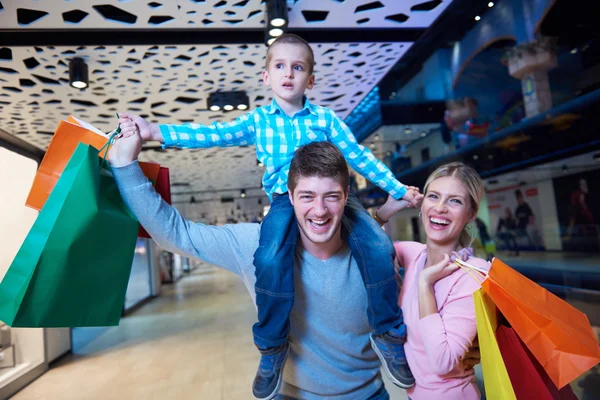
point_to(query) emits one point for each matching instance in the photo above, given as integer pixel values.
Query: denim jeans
(371, 248)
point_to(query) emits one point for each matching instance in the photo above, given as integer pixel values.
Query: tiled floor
(193, 342)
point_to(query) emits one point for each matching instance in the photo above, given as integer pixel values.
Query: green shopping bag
(74, 265)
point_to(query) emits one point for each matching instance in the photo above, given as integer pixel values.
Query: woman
(436, 296)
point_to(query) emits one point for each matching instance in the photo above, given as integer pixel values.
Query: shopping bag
(67, 136)
(495, 376)
(74, 264)
(162, 185)
(557, 334)
(528, 378)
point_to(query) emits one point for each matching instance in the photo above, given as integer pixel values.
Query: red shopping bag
(529, 380)
(162, 185)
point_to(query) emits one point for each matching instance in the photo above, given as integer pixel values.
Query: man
(331, 356)
(525, 219)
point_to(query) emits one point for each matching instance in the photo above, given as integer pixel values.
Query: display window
(22, 350)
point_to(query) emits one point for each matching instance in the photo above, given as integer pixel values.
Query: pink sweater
(437, 343)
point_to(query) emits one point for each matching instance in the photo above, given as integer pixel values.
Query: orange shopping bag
(62, 146)
(557, 334)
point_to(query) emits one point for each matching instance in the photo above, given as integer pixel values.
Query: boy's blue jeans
(274, 261)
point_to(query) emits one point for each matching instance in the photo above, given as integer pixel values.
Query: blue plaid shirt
(277, 136)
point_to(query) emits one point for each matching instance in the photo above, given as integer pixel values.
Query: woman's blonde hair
(470, 178)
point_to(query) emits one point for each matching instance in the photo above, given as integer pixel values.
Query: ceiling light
(423, 134)
(243, 194)
(376, 137)
(224, 100)
(408, 131)
(276, 32)
(278, 22)
(477, 18)
(490, 4)
(78, 73)
(574, 51)
(277, 12)
(475, 157)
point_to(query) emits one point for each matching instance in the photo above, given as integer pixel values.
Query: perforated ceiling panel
(237, 14)
(170, 84)
(368, 14)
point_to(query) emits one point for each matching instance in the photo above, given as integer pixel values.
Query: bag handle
(111, 139)
(476, 273)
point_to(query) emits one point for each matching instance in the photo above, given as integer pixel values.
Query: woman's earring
(420, 214)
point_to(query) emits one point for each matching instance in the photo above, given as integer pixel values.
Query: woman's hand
(473, 356)
(430, 275)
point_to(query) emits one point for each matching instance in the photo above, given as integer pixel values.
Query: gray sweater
(330, 356)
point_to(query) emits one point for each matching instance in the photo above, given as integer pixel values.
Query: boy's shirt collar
(307, 106)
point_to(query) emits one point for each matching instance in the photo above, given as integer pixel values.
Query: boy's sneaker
(268, 377)
(390, 350)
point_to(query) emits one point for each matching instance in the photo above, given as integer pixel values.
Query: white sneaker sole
(385, 367)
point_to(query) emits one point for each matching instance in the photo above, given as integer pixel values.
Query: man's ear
(291, 196)
(347, 194)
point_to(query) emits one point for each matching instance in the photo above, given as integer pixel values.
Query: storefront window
(21, 350)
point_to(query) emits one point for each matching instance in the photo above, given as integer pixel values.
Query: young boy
(278, 129)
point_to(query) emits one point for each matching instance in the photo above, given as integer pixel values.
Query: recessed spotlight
(276, 32)
(228, 107)
(79, 84)
(215, 108)
(574, 51)
(278, 22)
(477, 18)
(242, 107)
(423, 134)
(270, 41)
(490, 157)
(491, 4)
(376, 137)
(408, 131)
(475, 157)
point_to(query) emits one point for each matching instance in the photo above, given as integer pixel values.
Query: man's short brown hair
(320, 159)
(290, 38)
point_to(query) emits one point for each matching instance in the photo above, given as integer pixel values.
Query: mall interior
(509, 87)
